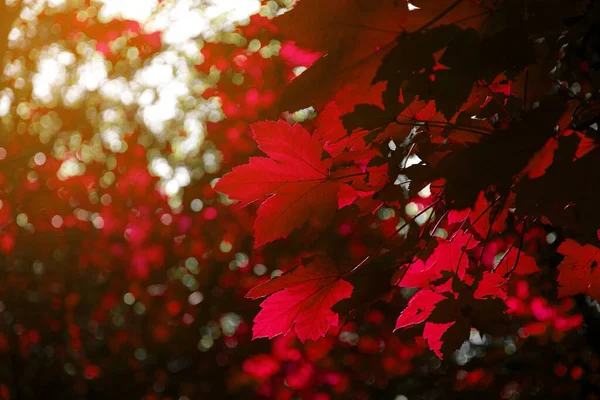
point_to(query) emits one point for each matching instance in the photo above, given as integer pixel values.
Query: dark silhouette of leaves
(499, 157)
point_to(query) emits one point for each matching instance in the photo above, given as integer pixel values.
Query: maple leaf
(329, 126)
(453, 318)
(445, 338)
(578, 272)
(447, 257)
(419, 308)
(414, 275)
(545, 157)
(295, 180)
(397, 69)
(491, 285)
(540, 162)
(489, 217)
(301, 298)
(353, 39)
(517, 262)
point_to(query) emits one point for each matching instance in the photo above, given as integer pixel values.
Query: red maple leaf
(295, 179)
(515, 261)
(442, 336)
(419, 308)
(489, 217)
(491, 285)
(448, 256)
(540, 162)
(354, 39)
(578, 272)
(301, 298)
(414, 275)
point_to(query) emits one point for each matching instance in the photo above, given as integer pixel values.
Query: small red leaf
(445, 338)
(448, 255)
(302, 298)
(526, 264)
(491, 285)
(419, 308)
(415, 275)
(489, 217)
(578, 272)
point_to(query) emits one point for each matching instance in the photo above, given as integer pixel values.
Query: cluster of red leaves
(303, 185)
(443, 121)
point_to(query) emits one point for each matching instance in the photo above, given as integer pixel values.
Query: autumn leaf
(295, 179)
(540, 162)
(578, 272)
(452, 319)
(329, 126)
(419, 308)
(301, 298)
(445, 338)
(414, 275)
(491, 285)
(489, 216)
(517, 262)
(448, 256)
(354, 41)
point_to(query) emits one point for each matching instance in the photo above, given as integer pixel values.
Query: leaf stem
(519, 251)
(437, 124)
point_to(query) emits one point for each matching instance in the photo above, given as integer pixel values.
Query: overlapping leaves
(438, 108)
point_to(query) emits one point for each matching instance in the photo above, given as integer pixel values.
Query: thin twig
(524, 227)
(367, 258)
(440, 16)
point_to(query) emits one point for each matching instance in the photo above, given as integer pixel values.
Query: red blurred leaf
(261, 366)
